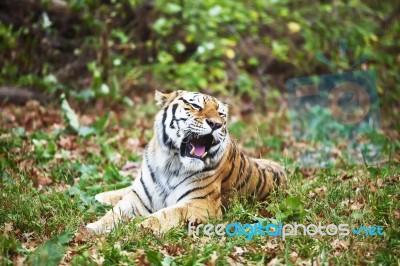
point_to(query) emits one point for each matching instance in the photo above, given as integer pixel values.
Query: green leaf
(98, 126)
(293, 203)
(171, 8)
(51, 252)
(154, 257)
(85, 131)
(70, 116)
(83, 196)
(101, 123)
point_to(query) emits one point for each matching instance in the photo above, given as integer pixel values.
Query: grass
(50, 174)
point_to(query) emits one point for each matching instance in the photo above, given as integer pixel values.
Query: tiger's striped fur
(190, 169)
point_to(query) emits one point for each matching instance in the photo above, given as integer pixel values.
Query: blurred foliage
(114, 49)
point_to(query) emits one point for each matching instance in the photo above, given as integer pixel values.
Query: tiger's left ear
(163, 98)
(226, 104)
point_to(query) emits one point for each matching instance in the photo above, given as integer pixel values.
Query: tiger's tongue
(199, 150)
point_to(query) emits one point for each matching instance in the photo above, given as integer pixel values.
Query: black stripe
(153, 177)
(260, 179)
(174, 107)
(209, 169)
(135, 209)
(246, 180)
(183, 100)
(165, 136)
(265, 181)
(166, 140)
(229, 175)
(144, 205)
(277, 179)
(211, 154)
(146, 191)
(188, 103)
(241, 169)
(192, 190)
(205, 196)
(204, 178)
(233, 155)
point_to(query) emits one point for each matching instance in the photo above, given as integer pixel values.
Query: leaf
(83, 196)
(293, 203)
(85, 131)
(98, 127)
(70, 116)
(51, 252)
(101, 123)
(230, 53)
(294, 27)
(154, 257)
(238, 251)
(44, 181)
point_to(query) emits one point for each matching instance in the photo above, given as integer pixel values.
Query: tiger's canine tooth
(204, 155)
(192, 151)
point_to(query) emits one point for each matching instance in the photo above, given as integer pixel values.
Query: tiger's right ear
(163, 98)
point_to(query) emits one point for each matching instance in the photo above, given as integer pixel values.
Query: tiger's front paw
(98, 228)
(108, 198)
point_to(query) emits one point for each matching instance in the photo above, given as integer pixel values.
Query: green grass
(51, 216)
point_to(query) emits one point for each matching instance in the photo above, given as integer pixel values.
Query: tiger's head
(192, 126)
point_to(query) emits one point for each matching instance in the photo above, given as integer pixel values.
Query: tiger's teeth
(192, 151)
(204, 155)
(213, 141)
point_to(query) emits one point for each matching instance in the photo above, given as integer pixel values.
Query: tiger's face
(193, 126)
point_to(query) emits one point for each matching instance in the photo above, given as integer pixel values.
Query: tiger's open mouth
(197, 146)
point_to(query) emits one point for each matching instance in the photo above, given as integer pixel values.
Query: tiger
(190, 170)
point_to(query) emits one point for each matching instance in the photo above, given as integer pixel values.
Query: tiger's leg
(112, 197)
(167, 218)
(128, 207)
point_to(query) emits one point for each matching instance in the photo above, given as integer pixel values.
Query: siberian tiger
(190, 168)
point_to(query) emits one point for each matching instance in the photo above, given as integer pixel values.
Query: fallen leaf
(356, 206)
(271, 244)
(274, 261)
(265, 213)
(213, 259)
(293, 256)
(307, 172)
(44, 181)
(340, 244)
(346, 177)
(238, 251)
(8, 227)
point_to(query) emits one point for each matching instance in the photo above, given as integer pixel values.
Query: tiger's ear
(163, 98)
(226, 104)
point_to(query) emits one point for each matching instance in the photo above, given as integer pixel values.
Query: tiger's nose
(213, 124)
